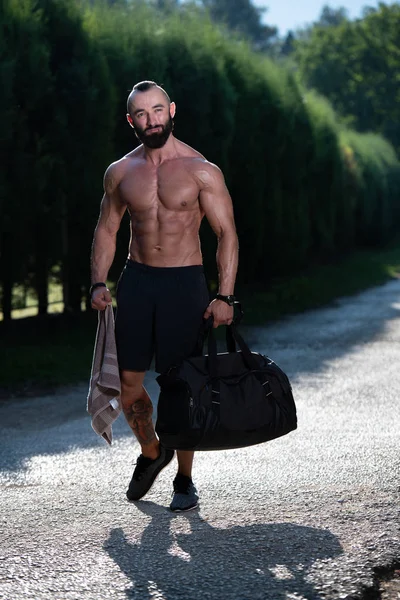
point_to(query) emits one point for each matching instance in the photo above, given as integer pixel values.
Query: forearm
(103, 252)
(227, 262)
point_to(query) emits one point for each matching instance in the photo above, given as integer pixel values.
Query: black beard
(157, 139)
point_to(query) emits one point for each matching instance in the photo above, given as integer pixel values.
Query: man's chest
(173, 186)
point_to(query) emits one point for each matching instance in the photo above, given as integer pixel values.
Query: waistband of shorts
(133, 264)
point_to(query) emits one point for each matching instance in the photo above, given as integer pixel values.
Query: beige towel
(105, 385)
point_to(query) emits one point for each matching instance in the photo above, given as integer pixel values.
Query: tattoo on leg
(139, 419)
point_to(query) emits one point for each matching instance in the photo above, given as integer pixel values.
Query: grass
(320, 285)
(40, 354)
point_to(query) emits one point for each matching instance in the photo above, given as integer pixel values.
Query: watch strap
(230, 299)
(94, 286)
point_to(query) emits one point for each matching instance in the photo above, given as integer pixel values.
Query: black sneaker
(185, 494)
(146, 472)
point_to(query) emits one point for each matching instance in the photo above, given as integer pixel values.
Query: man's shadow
(248, 562)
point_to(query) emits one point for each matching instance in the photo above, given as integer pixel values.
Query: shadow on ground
(255, 561)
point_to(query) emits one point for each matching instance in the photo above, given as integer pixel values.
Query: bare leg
(138, 411)
(185, 462)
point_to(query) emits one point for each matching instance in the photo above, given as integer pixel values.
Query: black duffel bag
(227, 400)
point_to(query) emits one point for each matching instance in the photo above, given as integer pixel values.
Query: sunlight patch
(155, 593)
(177, 551)
(281, 572)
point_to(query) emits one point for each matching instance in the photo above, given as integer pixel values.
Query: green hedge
(303, 188)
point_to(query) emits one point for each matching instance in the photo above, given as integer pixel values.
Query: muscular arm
(216, 203)
(111, 213)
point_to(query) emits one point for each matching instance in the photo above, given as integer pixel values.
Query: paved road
(308, 516)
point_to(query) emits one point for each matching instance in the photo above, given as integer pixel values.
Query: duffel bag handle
(232, 337)
(248, 357)
(229, 337)
(208, 332)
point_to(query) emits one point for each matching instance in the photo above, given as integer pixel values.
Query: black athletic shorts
(159, 312)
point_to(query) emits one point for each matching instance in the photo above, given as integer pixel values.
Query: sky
(291, 14)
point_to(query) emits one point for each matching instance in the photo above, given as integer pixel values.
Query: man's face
(154, 136)
(151, 117)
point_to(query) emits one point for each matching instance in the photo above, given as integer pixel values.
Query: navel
(157, 248)
(183, 203)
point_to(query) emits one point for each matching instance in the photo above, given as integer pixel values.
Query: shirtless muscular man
(167, 188)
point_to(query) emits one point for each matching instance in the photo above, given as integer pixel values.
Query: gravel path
(313, 515)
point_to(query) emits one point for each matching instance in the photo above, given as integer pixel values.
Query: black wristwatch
(228, 299)
(95, 286)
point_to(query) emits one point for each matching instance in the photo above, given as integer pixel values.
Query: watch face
(228, 299)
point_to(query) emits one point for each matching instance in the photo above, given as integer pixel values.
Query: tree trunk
(41, 278)
(75, 296)
(6, 300)
(42, 287)
(6, 268)
(65, 256)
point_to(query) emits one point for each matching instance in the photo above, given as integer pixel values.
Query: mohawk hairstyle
(144, 86)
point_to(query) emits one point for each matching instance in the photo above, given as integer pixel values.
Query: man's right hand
(101, 298)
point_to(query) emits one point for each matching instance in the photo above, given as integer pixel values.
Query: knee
(130, 391)
(131, 384)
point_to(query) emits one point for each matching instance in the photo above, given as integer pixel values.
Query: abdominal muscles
(166, 238)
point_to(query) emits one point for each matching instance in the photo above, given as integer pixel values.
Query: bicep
(111, 212)
(216, 204)
(111, 208)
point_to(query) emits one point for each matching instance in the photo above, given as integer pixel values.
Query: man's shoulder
(196, 161)
(127, 161)
(116, 170)
(205, 171)
(114, 174)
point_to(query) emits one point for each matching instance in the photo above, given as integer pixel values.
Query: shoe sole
(155, 475)
(176, 510)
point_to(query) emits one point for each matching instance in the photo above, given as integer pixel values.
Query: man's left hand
(221, 312)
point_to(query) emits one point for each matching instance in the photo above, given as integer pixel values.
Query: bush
(303, 188)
